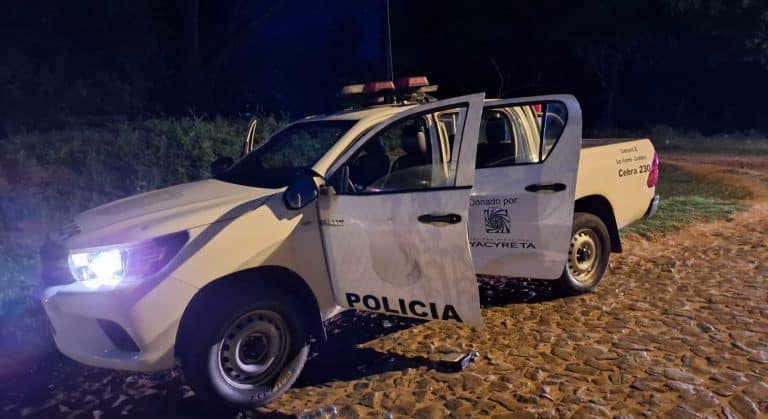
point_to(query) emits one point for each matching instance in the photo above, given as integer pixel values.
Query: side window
(513, 135)
(496, 145)
(400, 157)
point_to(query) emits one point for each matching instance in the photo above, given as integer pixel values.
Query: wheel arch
(600, 207)
(257, 280)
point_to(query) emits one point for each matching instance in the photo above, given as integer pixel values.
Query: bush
(72, 170)
(736, 142)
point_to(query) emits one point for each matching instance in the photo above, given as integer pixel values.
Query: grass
(666, 138)
(687, 198)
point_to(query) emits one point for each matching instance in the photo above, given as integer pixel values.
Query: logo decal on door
(496, 220)
(405, 307)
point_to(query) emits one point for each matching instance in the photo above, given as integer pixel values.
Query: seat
(497, 149)
(413, 140)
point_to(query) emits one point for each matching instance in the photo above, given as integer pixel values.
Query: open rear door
(395, 233)
(521, 209)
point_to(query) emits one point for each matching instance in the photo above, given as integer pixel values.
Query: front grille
(54, 266)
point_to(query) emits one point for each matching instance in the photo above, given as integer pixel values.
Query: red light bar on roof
(411, 82)
(378, 86)
(352, 89)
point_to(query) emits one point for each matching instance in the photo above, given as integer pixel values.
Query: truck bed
(597, 142)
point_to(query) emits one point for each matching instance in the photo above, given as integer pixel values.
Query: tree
(202, 66)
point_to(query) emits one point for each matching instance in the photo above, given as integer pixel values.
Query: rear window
(520, 134)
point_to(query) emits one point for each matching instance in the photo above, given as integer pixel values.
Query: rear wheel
(588, 255)
(248, 353)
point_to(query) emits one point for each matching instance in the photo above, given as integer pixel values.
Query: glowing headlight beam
(98, 268)
(108, 266)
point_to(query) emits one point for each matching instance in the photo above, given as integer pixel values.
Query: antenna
(390, 66)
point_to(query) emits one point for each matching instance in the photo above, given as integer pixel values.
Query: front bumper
(652, 207)
(125, 328)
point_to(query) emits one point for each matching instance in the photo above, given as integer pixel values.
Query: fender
(258, 278)
(601, 207)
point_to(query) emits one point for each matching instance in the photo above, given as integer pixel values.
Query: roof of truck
(382, 110)
(362, 113)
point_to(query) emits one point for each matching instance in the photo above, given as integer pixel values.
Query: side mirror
(302, 192)
(220, 165)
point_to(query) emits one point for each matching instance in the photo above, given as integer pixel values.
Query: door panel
(521, 208)
(403, 250)
(382, 258)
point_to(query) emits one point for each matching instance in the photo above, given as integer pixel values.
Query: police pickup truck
(392, 205)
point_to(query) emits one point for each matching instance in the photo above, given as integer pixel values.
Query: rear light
(411, 82)
(653, 176)
(378, 86)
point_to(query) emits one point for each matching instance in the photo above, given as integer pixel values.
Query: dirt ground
(679, 328)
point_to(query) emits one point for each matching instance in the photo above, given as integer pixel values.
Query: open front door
(395, 230)
(521, 209)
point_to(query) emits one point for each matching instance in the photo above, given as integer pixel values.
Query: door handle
(447, 218)
(554, 187)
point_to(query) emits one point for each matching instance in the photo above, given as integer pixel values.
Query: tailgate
(617, 169)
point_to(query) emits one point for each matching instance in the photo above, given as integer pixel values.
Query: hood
(164, 211)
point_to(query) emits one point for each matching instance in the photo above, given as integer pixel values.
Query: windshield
(287, 154)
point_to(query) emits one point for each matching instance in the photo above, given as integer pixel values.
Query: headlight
(110, 265)
(102, 267)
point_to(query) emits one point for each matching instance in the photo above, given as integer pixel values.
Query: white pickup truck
(392, 207)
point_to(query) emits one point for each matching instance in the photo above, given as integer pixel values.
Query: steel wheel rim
(253, 349)
(584, 255)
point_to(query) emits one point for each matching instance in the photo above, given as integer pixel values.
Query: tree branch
(238, 35)
(499, 74)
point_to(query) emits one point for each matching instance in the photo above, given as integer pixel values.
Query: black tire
(246, 349)
(588, 253)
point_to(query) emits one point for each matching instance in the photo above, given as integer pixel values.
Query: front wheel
(588, 254)
(249, 353)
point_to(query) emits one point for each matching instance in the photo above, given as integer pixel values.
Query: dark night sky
(299, 22)
(691, 64)
(298, 59)
(297, 40)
